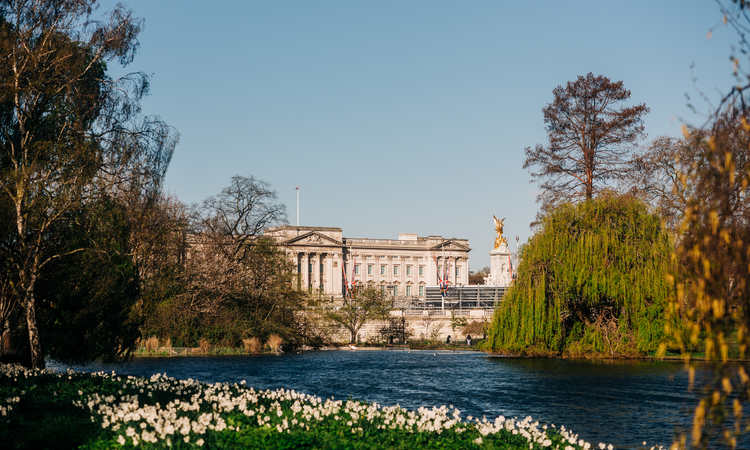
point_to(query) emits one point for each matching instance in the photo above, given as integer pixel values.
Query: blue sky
(405, 116)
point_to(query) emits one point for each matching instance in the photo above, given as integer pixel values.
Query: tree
(478, 277)
(659, 174)
(590, 140)
(235, 282)
(364, 306)
(712, 286)
(70, 135)
(593, 281)
(668, 173)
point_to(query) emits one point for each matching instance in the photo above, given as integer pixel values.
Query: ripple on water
(618, 402)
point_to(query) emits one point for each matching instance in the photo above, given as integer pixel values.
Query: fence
(458, 298)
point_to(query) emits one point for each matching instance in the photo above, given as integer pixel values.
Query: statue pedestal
(499, 267)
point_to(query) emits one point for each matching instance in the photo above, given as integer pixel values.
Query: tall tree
(593, 281)
(591, 137)
(69, 133)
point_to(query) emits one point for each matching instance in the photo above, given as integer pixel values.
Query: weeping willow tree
(592, 282)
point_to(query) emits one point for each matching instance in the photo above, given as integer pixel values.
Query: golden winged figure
(499, 240)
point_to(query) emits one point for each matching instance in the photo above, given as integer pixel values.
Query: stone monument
(499, 259)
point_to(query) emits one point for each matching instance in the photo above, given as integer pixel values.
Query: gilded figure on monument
(500, 239)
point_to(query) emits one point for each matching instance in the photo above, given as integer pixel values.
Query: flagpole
(298, 205)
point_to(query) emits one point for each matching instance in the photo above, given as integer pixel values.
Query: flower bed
(108, 411)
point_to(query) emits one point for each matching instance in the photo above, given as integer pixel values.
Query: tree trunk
(35, 348)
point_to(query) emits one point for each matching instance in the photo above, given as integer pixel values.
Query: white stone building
(402, 267)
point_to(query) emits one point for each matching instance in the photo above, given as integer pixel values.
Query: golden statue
(499, 240)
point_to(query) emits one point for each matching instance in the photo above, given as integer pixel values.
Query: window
(356, 269)
(421, 291)
(299, 267)
(408, 272)
(382, 270)
(395, 291)
(382, 289)
(395, 270)
(421, 272)
(458, 271)
(322, 268)
(322, 287)
(408, 289)
(310, 268)
(369, 269)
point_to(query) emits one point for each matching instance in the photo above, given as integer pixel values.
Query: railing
(458, 298)
(445, 312)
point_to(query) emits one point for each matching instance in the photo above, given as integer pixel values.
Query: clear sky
(405, 116)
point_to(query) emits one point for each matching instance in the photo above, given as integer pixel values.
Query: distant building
(402, 267)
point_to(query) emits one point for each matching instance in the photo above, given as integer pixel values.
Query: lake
(619, 402)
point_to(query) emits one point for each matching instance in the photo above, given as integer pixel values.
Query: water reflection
(618, 402)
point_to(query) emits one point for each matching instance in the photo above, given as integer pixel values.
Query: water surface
(619, 402)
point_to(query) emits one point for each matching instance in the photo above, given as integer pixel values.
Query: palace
(402, 267)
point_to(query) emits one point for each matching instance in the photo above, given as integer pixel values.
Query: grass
(44, 409)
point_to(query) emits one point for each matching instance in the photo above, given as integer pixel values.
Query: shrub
(252, 345)
(151, 344)
(274, 342)
(205, 346)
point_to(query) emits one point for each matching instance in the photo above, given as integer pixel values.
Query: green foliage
(89, 301)
(71, 137)
(593, 281)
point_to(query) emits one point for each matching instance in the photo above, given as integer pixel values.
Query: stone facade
(500, 267)
(403, 267)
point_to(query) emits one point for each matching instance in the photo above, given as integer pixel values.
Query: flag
(297, 188)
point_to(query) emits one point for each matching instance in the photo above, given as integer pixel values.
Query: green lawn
(44, 409)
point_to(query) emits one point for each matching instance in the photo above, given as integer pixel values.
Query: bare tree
(238, 214)
(68, 131)
(590, 137)
(235, 281)
(661, 174)
(369, 304)
(223, 230)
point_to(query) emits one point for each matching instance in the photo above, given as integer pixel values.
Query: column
(314, 275)
(336, 282)
(328, 278)
(305, 271)
(296, 262)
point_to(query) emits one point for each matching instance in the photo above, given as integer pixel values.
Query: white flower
(478, 441)
(199, 442)
(121, 440)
